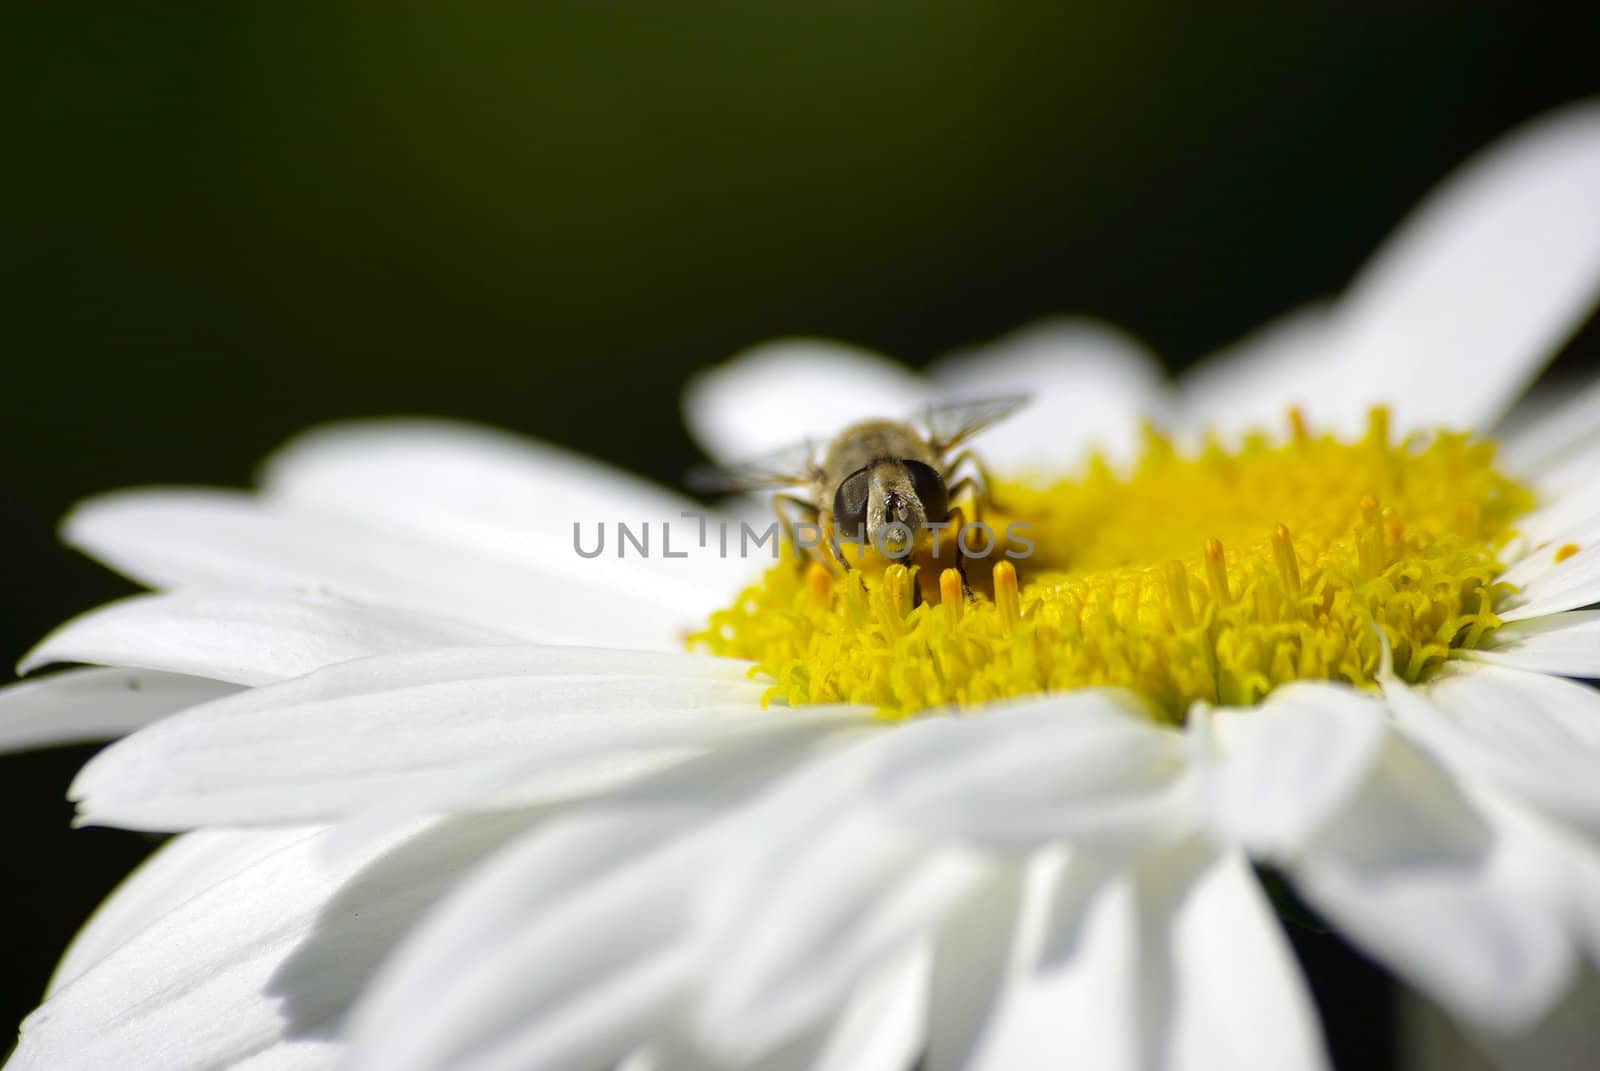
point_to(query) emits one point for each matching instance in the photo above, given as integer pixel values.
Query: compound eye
(850, 504)
(930, 489)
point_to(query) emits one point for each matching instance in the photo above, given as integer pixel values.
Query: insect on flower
(897, 486)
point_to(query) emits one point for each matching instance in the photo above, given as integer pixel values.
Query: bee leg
(977, 477)
(829, 551)
(822, 520)
(976, 494)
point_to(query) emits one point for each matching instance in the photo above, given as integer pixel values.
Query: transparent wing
(790, 467)
(949, 424)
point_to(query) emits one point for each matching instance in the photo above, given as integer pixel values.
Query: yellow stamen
(951, 590)
(1283, 558)
(1369, 538)
(819, 582)
(1393, 527)
(1378, 426)
(1178, 595)
(1217, 572)
(1006, 596)
(1297, 426)
(1565, 551)
(896, 595)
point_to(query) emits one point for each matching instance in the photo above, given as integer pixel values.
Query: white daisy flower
(458, 808)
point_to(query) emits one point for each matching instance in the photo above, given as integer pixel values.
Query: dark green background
(222, 225)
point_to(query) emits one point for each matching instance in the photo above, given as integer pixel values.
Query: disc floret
(1214, 577)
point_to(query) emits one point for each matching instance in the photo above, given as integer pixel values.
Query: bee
(895, 485)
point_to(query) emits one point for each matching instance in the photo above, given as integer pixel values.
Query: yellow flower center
(1215, 577)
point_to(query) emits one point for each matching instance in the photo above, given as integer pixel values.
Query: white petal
(1548, 586)
(1250, 384)
(665, 753)
(93, 704)
(1290, 764)
(314, 1055)
(1028, 917)
(487, 493)
(779, 393)
(243, 637)
(791, 936)
(1569, 512)
(274, 952)
(1083, 1007)
(350, 735)
(1556, 1043)
(987, 941)
(1092, 387)
(569, 950)
(1565, 517)
(813, 894)
(1461, 307)
(1090, 765)
(1236, 997)
(1552, 425)
(1559, 864)
(881, 1028)
(1566, 644)
(181, 869)
(1413, 876)
(222, 539)
(1536, 734)
(574, 945)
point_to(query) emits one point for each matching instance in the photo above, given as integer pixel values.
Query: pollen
(1215, 575)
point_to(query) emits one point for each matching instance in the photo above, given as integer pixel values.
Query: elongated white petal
(183, 868)
(1553, 579)
(306, 1055)
(577, 941)
(986, 942)
(217, 539)
(789, 941)
(1536, 734)
(1084, 1007)
(273, 953)
(1559, 863)
(812, 893)
(1414, 876)
(94, 704)
(1561, 423)
(882, 1027)
(1289, 765)
(1028, 919)
(779, 393)
(1180, 965)
(1464, 303)
(1557, 1043)
(1250, 384)
(1234, 996)
(1088, 765)
(484, 492)
(1092, 387)
(569, 950)
(324, 745)
(1566, 644)
(243, 637)
(1569, 512)
(664, 753)
(1565, 518)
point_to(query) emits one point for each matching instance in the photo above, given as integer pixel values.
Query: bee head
(902, 497)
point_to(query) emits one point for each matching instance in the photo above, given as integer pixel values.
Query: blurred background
(221, 225)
